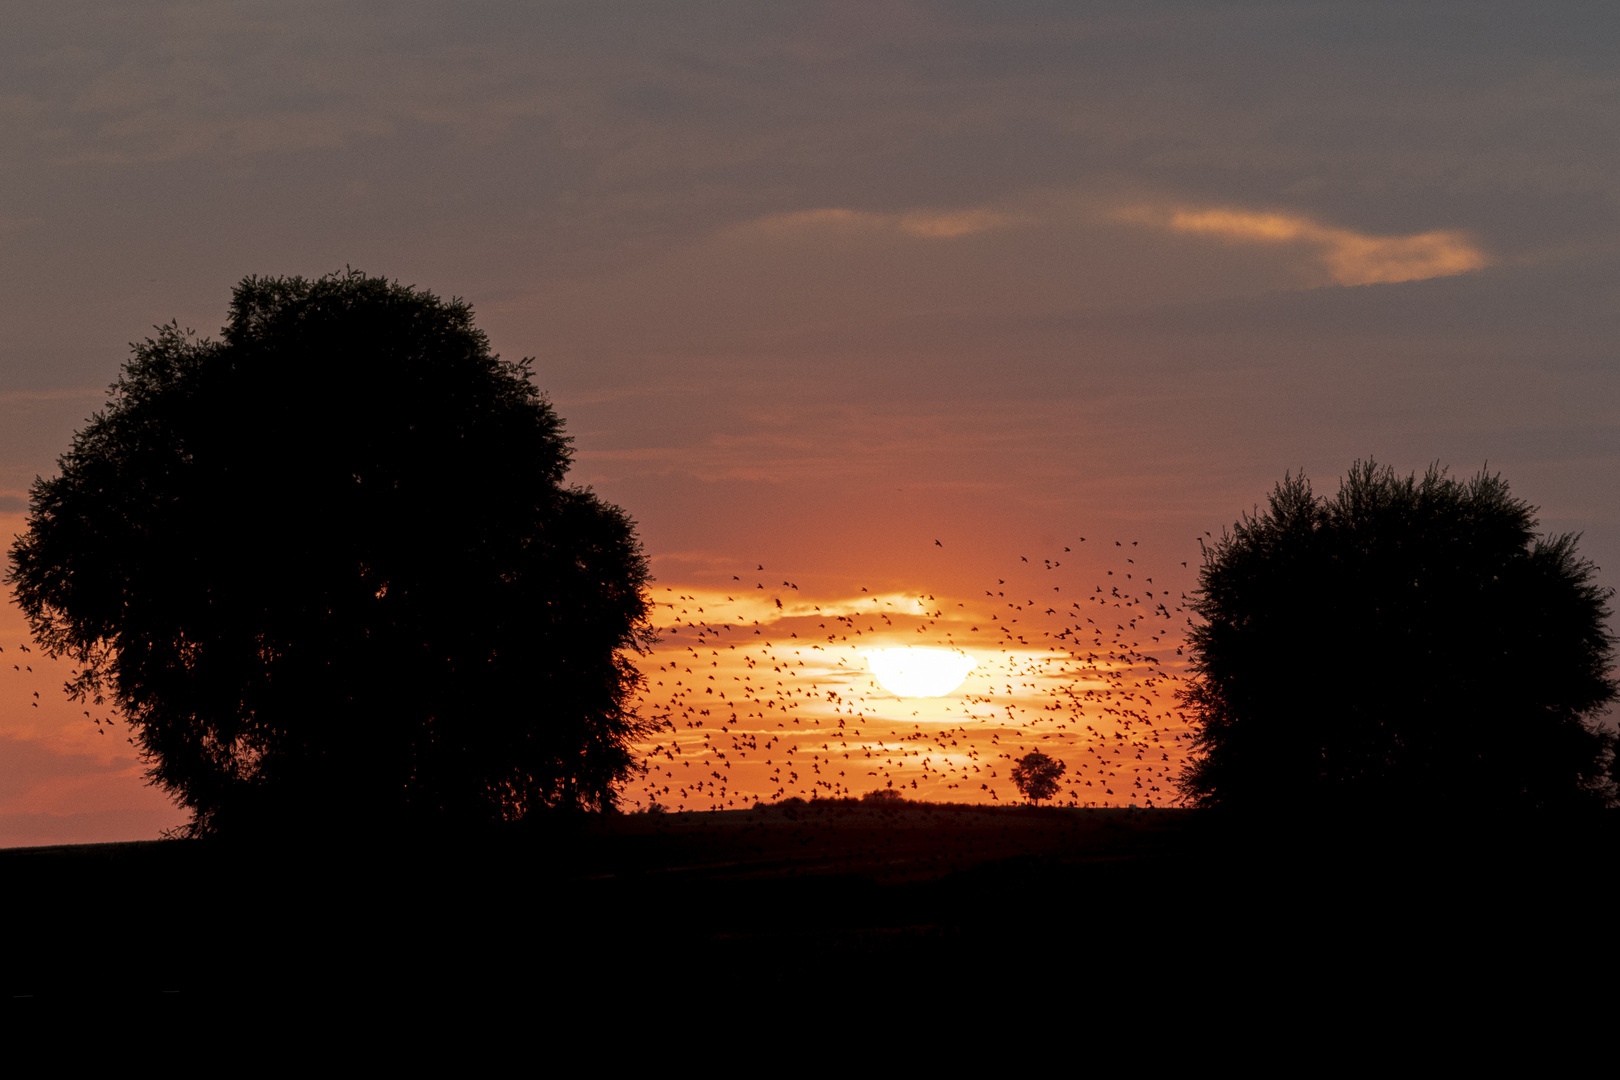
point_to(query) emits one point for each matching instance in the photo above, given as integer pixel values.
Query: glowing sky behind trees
(818, 285)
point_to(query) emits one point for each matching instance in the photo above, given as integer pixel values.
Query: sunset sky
(870, 308)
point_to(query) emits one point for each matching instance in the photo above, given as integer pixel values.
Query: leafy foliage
(1037, 775)
(327, 567)
(1409, 642)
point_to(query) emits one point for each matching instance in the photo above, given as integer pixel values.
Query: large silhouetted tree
(329, 570)
(1410, 642)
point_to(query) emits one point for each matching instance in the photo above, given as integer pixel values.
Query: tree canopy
(1037, 775)
(328, 568)
(1410, 642)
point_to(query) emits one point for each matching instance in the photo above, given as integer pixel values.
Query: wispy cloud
(1350, 257)
(952, 223)
(925, 224)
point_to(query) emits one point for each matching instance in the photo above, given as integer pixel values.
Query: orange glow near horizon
(762, 693)
(762, 690)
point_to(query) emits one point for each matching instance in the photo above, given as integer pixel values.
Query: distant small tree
(883, 797)
(1037, 775)
(1409, 642)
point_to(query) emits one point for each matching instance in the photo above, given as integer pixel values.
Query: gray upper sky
(820, 282)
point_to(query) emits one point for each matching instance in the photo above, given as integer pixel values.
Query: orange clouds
(761, 692)
(1350, 257)
(1346, 256)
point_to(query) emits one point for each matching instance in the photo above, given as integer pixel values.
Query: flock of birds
(27, 682)
(763, 698)
(759, 694)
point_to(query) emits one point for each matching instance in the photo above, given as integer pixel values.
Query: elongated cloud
(952, 223)
(926, 224)
(1351, 258)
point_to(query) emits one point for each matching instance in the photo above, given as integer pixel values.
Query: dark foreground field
(916, 899)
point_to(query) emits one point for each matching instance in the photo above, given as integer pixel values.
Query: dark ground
(922, 897)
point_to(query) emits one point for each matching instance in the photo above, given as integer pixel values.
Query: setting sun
(919, 672)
